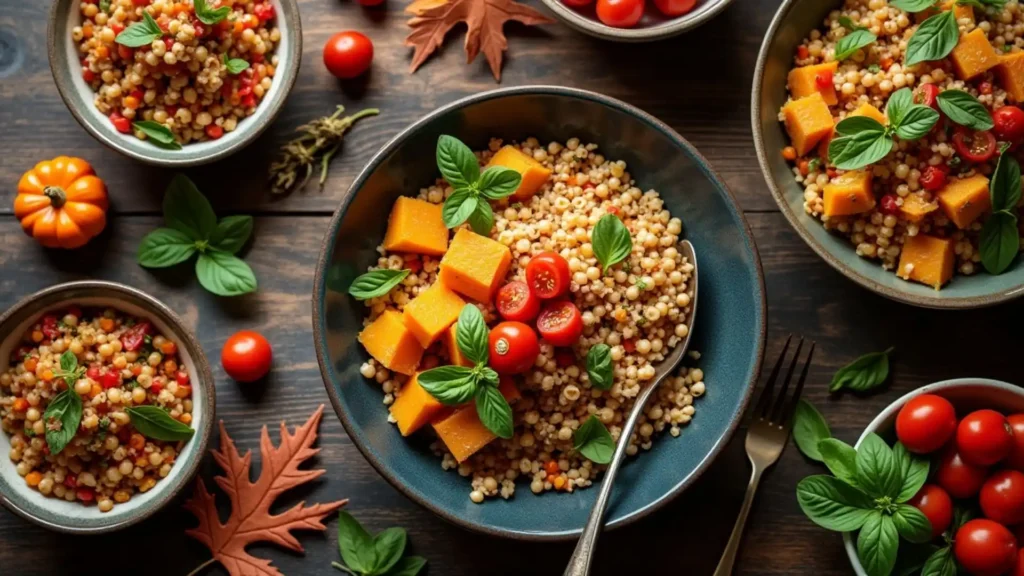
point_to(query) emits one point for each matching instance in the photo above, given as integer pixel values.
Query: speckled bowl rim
(673, 27)
(101, 288)
(762, 158)
(250, 128)
(319, 293)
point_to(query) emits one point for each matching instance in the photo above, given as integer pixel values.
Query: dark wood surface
(699, 84)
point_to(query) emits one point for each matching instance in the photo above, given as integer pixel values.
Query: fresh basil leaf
(832, 504)
(355, 544)
(408, 566)
(234, 65)
(852, 42)
(471, 334)
(913, 470)
(388, 545)
(593, 441)
(158, 134)
(864, 373)
(1004, 189)
(855, 124)
(186, 209)
(208, 15)
(140, 33)
(481, 220)
(68, 361)
(898, 106)
(231, 233)
(489, 376)
(376, 283)
(999, 242)
(934, 39)
(878, 473)
(964, 109)
(859, 150)
(877, 544)
(105, 8)
(599, 366)
(941, 563)
(849, 24)
(165, 247)
(499, 182)
(62, 416)
(840, 458)
(225, 274)
(494, 411)
(458, 207)
(457, 163)
(450, 385)
(154, 422)
(809, 428)
(912, 6)
(996, 5)
(961, 515)
(917, 122)
(912, 524)
(611, 241)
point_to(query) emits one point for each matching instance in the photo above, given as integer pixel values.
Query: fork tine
(780, 398)
(787, 416)
(761, 408)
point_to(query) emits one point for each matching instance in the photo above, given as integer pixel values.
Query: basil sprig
(912, 6)
(192, 227)
(855, 40)
(934, 39)
(376, 283)
(593, 441)
(861, 141)
(140, 33)
(154, 422)
(158, 134)
(611, 241)
(208, 15)
(999, 241)
(809, 428)
(599, 366)
(964, 109)
(380, 555)
(234, 65)
(867, 372)
(64, 413)
(470, 200)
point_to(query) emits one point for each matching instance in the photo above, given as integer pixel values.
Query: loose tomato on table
(1002, 497)
(348, 54)
(974, 145)
(926, 423)
(1009, 123)
(560, 323)
(548, 275)
(936, 505)
(515, 301)
(1016, 458)
(680, 7)
(957, 477)
(620, 13)
(984, 437)
(985, 548)
(246, 356)
(512, 348)
(934, 178)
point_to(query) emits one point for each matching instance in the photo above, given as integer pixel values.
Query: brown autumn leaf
(251, 520)
(484, 19)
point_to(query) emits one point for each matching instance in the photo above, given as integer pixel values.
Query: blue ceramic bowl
(730, 326)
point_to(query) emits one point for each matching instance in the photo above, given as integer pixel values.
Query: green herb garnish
(864, 373)
(599, 366)
(809, 428)
(611, 241)
(1000, 238)
(852, 42)
(380, 555)
(593, 441)
(155, 423)
(158, 134)
(964, 109)
(234, 65)
(862, 141)
(140, 33)
(473, 190)
(934, 39)
(208, 15)
(376, 283)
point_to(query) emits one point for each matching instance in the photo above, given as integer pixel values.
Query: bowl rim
(289, 17)
(670, 28)
(951, 303)
(888, 411)
(319, 291)
(205, 376)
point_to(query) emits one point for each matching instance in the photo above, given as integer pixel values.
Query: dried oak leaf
(484, 21)
(251, 520)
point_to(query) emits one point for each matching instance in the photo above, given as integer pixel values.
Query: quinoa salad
(899, 114)
(118, 368)
(636, 311)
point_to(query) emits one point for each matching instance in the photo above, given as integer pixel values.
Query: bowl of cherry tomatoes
(972, 432)
(635, 20)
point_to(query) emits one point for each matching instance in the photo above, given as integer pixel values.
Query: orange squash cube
(803, 81)
(534, 173)
(870, 111)
(454, 353)
(414, 407)
(808, 120)
(432, 312)
(849, 193)
(463, 432)
(927, 259)
(959, 11)
(474, 265)
(964, 199)
(973, 55)
(391, 343)
(1011, 75)
(416, 226)
(915, 208)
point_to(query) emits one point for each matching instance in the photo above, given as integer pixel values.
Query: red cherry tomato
(934, 178)
(110, 379)
(984, 437)
(577, 3)
(1009, 123)
(888, 204)
(974, 145)
(133, 338)
(121, 124)
(936, 505)
(515, 301)
(925, 423)
(958, 478)
(985, 548)
(560, 323)
(620, 13)
(513, 348)
(680, 7)
(547, 274)
(348, 54)
(1002, 497)
(1018, 570)
(246, 356)
(927, 94)
(1016, 458)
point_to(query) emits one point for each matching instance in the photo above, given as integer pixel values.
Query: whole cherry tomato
(577, 3)
(680, 7)
(513, 348)
(620, 13)
(1009, 123)
(984, 437)
(348, 54)
(936, 505)
(246, 356)
(1002, 497)
(974, 145)
(958, 478)
(1016, 458)
(985, 548)
(1018, 570)
(515, 301)
(925, 423)
(560, 323)
(927, 94)
(934, 178)
(547, 274)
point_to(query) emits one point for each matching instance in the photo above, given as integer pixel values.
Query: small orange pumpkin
(61, 202)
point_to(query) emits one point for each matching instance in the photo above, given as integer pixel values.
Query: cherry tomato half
(925, 423)
(985, 548)
(1002, 497)
(958, 478)
(246, 356)
(680, 7)
(620, 13)
(984, 437)
(974, 145)
(936, 505)
(927, 94)
(934, 178)
(513, 348)
(1016, 458)
(560, 323)
(547, 274)
(348, 54)
(1009, 123)
(515, 301)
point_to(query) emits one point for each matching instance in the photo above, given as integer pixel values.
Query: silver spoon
(579, 564)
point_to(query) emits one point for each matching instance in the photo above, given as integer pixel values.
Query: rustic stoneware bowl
(794, 21)
(731, 315)
(78, 96)
(966, 395)
(57, 514)
(652, 26)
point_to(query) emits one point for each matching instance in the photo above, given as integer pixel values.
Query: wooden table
(698, 83)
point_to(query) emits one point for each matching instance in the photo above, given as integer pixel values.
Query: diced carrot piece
(849, 193)
(803, 81)
(915, 208)
(432, 312)
(927, 259)
(414, 407)
(474, 265)
(391, 343)
(808, 120)
(959, 11)
(416, 226)
(534, 173)
(870, 111)
(1011, 75)
(454, 353)
(463, 432)
(964, 199)
(973, 55)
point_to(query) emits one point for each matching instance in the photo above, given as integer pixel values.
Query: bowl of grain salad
(889, 134)
(106, 407)
(175, 83)
(483, 357)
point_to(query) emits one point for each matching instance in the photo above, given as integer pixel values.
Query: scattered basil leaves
(155, 423)
(208, 15)
(380, 555)
(376, 283)
(450, 385)
(864, 373)
(964, 109)
(934, 39)
(471, 334)
(611, 241)
(599, 366)
(593, 441)
(809, 428)
(849, 24)
(912, 6)
(494, 411)
(852, 42)
(158, 134)
(999, 241)
(472, 192)
(234, 65)
(62, 417)
(140, 33)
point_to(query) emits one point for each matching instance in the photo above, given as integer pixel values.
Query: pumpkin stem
(56, 195)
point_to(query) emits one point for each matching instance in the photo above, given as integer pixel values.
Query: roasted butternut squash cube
(915, 208)
(849, 193)
(927, 259)
(808, 120)
(534, 173)
(463, 432)
(803, 81)
(416, 226)
(414, 407)
(973, 55)
(430, 313)
(1011, 75)
(870, 111)
(474, 265)
(964, 199)
(454, 353)
(392, 344)
(959, 11)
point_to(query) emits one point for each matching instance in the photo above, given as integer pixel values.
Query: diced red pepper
(133, 338)
(249, 101)
(117, 27)
(121, 124)
(86, 494)
(823, 80)
(201, 30)
(214, 131)
(168, 42)
(629, 346)
(138, 95)
(245, 90)
(888, 204)
(88, 75)
(564, 358)
(110, 379)
(181, 377)
(263, 11)
(256, 58)
(156, 387)
(71, 481)
(171, 109)
(49, 327)
(125, 53)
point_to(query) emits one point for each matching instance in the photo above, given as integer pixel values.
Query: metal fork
(769, 427)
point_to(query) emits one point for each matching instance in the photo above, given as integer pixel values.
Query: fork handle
(732, 548)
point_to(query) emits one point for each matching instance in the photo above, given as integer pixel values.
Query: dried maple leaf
(251, 520)
(484, 21)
